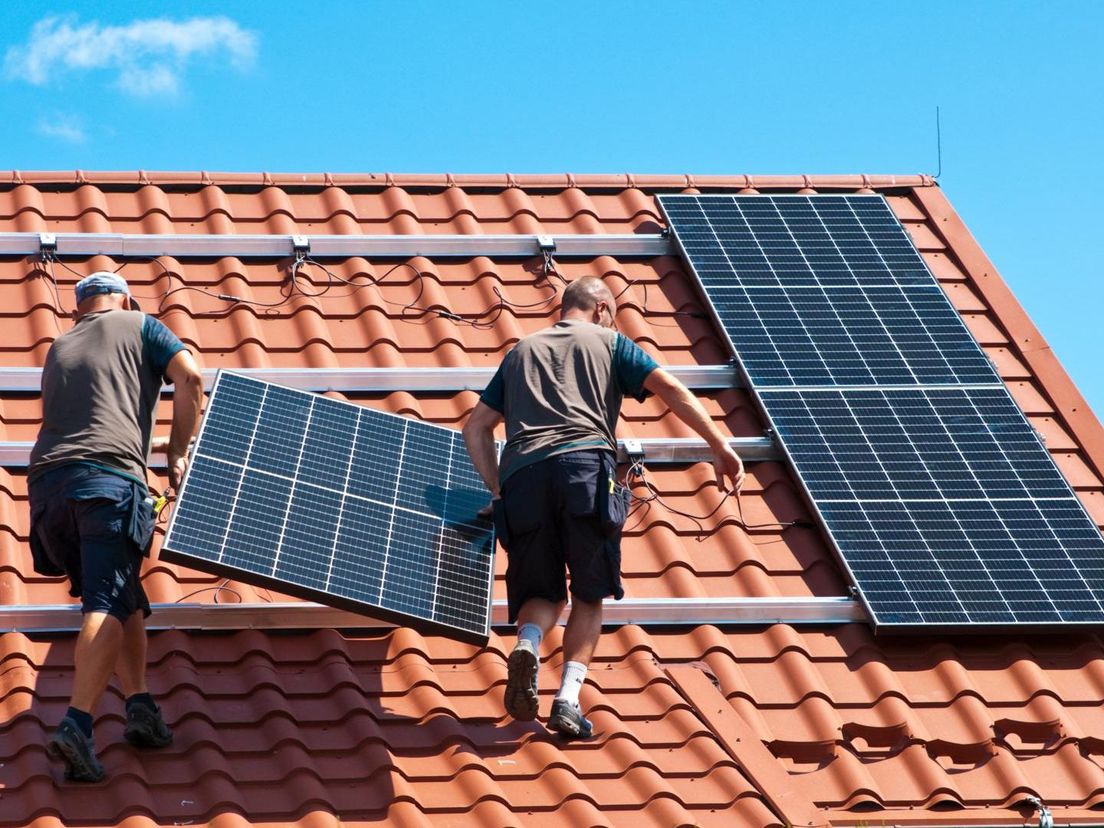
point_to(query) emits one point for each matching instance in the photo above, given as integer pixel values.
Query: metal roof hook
(1046, 819)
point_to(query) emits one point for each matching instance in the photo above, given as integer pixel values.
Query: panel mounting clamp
(634, 450)
(47, 245)
(546, 246)
(300, 246)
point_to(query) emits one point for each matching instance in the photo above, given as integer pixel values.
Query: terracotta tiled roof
(738, 726)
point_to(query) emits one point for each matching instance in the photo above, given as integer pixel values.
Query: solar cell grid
(824, 290)
(333, 502)
(973, 561)
(913, 443)
(827, 241)
(942, 500)
(849, 336)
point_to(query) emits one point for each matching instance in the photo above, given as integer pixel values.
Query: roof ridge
(202, 178)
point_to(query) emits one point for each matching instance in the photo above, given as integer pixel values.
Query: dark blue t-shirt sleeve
(631, 366)
(494, 395)
(160, 343)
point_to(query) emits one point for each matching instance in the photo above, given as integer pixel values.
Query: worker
(554, 494)
(92, 516)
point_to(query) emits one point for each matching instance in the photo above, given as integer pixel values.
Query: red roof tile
(747, 726)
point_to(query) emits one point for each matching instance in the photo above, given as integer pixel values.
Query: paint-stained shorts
(553, 516)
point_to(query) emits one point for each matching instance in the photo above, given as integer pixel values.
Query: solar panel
(333, 502)
(944, 505)
(823, 290)
(941, 499)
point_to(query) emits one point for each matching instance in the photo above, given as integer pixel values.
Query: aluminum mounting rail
(295, 615)
(244, 246)
(656, 450)
(382, 380)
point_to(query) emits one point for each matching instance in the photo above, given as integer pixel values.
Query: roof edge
(498, 181)
(1028, 340)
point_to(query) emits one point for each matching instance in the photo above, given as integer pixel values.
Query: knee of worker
(586, 609)
(98, 623)
(98, 613)
(117, 594)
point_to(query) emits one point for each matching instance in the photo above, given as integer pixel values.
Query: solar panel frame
(914, 284)
(916, 278)
(258, 556)
(1060, 513)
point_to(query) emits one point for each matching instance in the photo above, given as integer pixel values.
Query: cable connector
(47, 245)
(300, 246)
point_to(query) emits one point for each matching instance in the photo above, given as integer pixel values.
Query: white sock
(574, 674)
(531, 633)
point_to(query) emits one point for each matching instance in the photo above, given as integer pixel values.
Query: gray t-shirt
(560, 390)
(100, 386)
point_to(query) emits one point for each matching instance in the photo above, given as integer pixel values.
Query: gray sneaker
(145, 728)
(521, 682)
(568, 720)
(77, 751)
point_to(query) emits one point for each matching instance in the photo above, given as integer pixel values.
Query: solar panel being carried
(337, 503)
(943, 503)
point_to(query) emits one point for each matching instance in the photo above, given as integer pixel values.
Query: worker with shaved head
(92, 516)
(555, 499)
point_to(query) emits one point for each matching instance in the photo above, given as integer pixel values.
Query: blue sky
(603, 87)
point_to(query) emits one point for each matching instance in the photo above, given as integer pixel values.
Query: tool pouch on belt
(613, 499)
(502, 531)
(142, 519)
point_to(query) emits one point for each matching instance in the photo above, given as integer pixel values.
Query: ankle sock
(531, 633)
(574, 674)
(144, 699)
(83, 720)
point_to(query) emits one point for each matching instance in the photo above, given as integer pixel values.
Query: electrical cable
(48, 270)
(299, 283)
(636, 470)
(216, 589)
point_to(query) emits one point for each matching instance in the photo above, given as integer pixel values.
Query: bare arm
(479, 438)
(686, 407)
(184, 374)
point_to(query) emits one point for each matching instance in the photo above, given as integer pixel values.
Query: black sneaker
(568, 720)
(77, 751)
(521, 682)
(145, 728)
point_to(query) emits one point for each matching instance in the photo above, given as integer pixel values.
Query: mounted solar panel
(823, 290)
(943, 503)
(337, 503)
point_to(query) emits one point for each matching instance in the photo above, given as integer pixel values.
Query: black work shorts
(549, 520)
(94, 527)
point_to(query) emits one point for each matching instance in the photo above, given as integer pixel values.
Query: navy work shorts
(94, 527)
(554, 514)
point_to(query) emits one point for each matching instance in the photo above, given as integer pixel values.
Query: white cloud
(147, 57)
(62, 127)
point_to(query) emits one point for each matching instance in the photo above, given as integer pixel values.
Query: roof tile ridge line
(1051, 375)
(740, 741)
(497, 180)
